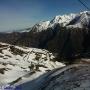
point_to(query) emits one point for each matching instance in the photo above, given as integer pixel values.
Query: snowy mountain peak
(79, 20)
(63, 20)
(41, 26)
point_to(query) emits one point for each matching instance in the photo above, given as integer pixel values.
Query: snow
(73, 77)
(63, 20)
(41, 26)
(39, 61)
(81, 19)
(14, 65)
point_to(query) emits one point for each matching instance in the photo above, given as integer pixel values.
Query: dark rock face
(74, 77)
(67, 42)
(70, 42)
(29, 39)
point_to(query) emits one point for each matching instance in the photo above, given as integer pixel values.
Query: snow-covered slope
(16, 62)
(73, 77)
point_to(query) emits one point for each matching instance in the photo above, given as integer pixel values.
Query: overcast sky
(19, 14)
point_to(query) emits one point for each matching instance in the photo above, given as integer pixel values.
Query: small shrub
(2, 70)
(16, 51)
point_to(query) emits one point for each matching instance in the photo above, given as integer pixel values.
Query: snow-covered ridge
(72, 20)
(59, 19)
(41, 26)
(68, 20)
(63, 20)
(81, 20)
(16, 62)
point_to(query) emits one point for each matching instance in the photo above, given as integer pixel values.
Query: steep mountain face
(67, 35)
(15, 62)
(71, 43)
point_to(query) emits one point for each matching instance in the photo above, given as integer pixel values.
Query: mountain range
(67, 35)
(37, 58)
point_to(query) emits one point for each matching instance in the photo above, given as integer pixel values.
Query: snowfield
(17, 62)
